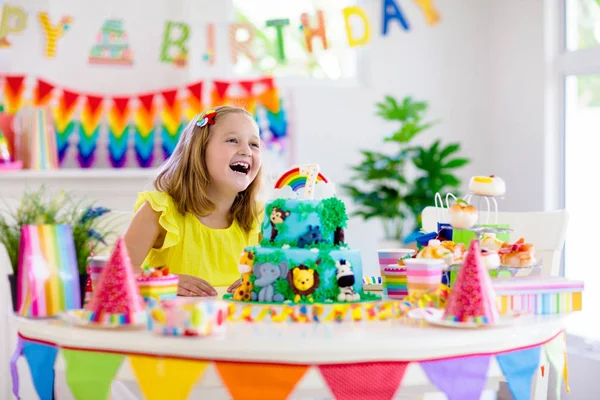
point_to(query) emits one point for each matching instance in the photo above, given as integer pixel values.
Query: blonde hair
(184, 176)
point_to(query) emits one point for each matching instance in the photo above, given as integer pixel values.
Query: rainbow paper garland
(172, 125)
(64, 123)
(89, 130)
(294, 179)
(118, 131)
(48, 274)
(145, 131)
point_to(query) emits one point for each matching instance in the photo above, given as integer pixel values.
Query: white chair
(546, 230)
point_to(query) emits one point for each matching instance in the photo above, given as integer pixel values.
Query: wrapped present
(538, 295)
(48, 278)
(188, 316)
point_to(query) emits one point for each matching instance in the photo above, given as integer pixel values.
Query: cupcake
(463, 215)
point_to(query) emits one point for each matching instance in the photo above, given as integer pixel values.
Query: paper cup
(393, 276)
(95, 266)
(423, 275)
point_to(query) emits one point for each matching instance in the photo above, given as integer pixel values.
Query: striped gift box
(394, 283)
(538, 295)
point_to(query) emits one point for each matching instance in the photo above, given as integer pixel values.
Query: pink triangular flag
(472, 298)
(117, 300)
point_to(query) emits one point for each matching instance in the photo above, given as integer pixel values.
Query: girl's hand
(191, 286)
(234, 286)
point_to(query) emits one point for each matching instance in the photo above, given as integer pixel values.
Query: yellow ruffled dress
(192, 248)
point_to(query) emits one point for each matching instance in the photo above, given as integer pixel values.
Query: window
(576, 87)
(583, 24)
(338, 62)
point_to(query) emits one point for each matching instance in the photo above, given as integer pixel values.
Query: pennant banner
(519, 368)
(63, 120)
(173, 107)
(13, 93)
(459, 378)
(376, 380)
(556, 352)
(41, 358)
(260, 381)
(89, 130)
(118, 131)
(172, 122)
(166, 378)
(144, 130)
(90, 373)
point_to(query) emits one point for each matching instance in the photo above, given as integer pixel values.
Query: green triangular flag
(555, 352)
(90, 373)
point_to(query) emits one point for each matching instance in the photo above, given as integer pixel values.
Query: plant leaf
(456, 163)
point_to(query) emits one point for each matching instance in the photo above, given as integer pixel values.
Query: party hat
(117, 300)
(472, 298)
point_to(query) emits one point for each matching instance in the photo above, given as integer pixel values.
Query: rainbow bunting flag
(118, 131)
(89, 130)
(63, 121)
(144, 130)
(42, 94)
(172, 124)
(193, 101)
(48, 279)
(13, 93)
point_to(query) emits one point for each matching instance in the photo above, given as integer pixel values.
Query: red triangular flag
(147, 100)
(15, 83)
(372, 380)
(170, 96)
(472, 298)
(70, 98)
(268, 82)
(117, 300)
(121, 104)
(93, 102)
(196, 91)
(221, 88)
(247, 85)
(42, 90)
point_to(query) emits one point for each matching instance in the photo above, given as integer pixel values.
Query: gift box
(538, 295)
(48, 279)
(188, 316)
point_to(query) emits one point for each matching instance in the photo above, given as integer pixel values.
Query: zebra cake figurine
(345, 281)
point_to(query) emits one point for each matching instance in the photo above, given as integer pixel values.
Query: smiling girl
(204, 210)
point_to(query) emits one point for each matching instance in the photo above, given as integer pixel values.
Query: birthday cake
(158, 284)
(302, 256)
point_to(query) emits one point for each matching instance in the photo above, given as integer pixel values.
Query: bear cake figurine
(302, 257)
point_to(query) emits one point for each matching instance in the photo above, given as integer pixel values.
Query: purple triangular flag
(461, 378)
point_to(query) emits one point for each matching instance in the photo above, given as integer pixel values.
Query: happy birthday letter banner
(112, 47)
(137, 121)
(90, 373)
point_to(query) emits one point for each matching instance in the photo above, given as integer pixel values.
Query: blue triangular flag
(40, 358)
(519, 368)
(459, 378)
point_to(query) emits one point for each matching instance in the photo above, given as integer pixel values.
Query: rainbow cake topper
(303, 177)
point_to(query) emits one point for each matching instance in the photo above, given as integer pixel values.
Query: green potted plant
(396, 186)
(38, 207)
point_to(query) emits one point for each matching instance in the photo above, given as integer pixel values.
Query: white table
(306, 344)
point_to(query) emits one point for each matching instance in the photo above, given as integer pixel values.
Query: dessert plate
(436, 317)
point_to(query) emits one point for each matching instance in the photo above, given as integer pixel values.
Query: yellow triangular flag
(166, 378)
(555, 351)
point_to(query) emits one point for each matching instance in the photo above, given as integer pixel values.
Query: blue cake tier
(304, 223)
(305, 276)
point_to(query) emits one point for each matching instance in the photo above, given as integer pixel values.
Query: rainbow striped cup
(393, 276)
(424, 275)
